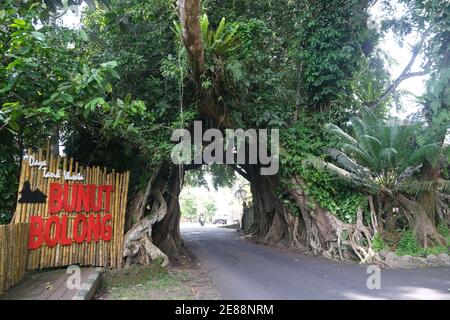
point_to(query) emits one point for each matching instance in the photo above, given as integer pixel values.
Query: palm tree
(384, 160)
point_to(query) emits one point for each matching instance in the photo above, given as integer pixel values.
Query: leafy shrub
(9, 175)
(378, 243)
(308, 137)
(409, 245)
(443, 230)
(433, 250)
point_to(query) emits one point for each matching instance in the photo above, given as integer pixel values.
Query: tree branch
(406, 74)
(241, 172)
(189, 15)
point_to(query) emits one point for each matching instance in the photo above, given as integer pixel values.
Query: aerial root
(138, 244)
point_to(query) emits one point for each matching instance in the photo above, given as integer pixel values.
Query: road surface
(241, 269)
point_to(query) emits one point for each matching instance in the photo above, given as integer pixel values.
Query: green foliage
(49, 85)
(196, 178)
(409, 245)
(222, 176)
(9, 176)
(138, 36)
(220, 42)
(436, 110)
(43, 83)
(378, 243)
(245, 64)
(329, 39)
(421, 15)
(370, 82)
(210, 209)
(444, 230)
(287, 57)
(152, 68)
(188, 207)
(380, 156)
(297, 143)
(342, 204)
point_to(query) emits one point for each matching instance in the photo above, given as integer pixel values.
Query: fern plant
(222, 41)
(219, 47)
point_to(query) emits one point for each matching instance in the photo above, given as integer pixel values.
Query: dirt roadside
(185, 280)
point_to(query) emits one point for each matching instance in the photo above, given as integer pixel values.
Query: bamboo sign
(76, 215)
(13, 254)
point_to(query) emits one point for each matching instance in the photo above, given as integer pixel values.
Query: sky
(401, 55)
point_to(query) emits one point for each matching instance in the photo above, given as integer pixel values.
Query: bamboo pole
(116, 205)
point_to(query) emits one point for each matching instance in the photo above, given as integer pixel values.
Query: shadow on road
(241, 269)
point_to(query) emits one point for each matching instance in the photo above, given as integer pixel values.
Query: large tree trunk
(189, 15)
(263, 202)
(390, 217)
(424, 227)
(137, 206)
(154, 215)
(322, 230)
(428, 198)
(167, 235)
(443, 208)
(315, 230)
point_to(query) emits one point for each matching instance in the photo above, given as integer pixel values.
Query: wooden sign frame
(42, 169)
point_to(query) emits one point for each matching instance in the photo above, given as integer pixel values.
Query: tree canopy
(111, 92)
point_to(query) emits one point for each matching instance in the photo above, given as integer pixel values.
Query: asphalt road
(241, 269)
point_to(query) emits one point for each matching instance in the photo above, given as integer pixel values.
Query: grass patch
(133, 276)
(409, 245)
(378, 243)
(155, 283)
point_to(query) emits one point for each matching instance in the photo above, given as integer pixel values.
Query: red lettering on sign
(78, 236)
(94, 226)
(36, 232)
(79, 198)
(60, 229)
(106, 228)
(69, 205)
(55, 198)
(96, 205)
(56, 230)
(65, 241)
(83, 198)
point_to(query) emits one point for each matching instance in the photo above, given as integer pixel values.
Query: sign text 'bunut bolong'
(68, 198)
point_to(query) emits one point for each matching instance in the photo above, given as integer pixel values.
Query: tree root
(138, 244)
(294, 237)
(327, 235)
(424, 228)
(443, 209)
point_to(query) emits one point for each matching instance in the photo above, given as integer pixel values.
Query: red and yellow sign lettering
(76, 214)
(69, 198)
